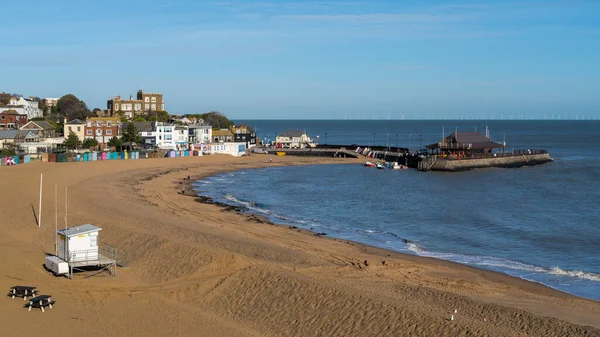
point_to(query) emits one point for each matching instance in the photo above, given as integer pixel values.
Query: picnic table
(41, 302)
(22, 291)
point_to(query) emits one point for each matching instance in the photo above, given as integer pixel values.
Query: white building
(233, 149)
(181, 137)
(199, 134)
(165, 136)
(24, 106)
(293, 139)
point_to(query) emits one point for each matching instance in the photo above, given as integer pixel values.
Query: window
(88, 132)
(78, 128)
(138, 106)
(108, 132)
(99, 132)
(89, 124)
(147, 106)
(146, 99)
(70, 129)
(99, 124)
(153, 99)
(116, 107)
(108, 124)
(153, 106)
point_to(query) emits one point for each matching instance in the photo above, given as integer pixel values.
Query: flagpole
(40, 208)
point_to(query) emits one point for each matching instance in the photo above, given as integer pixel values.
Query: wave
(248, 204)
(497, 262)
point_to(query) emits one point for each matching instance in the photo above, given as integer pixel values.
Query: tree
(139, 119)
(38, 119)
(89, 143)
(72, 142)
(216, 119)
(115, 142)
(4, 98)
(9, 150)
(130, 134)
(158, 116)
(71, 107)
(124, 120)
(97, 112)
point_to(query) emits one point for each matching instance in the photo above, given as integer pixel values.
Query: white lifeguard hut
(79, 247)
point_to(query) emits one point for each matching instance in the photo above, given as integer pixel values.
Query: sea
(538, 223)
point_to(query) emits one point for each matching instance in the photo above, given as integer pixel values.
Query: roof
(466, 140)
(41, 124)
(10, 112)
(75, 121)
(78, 230)
(222, 132)
(8, 134)
(140, 126)
(292, 133)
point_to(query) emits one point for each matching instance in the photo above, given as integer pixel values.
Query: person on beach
(188, 176)
(270, 160)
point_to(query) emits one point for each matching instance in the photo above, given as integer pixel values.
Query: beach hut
(93, 156)
(114, 155)
(26, 159)
(16, 159)
(187, 153)
(86, 156)
(104, 156)
(78, 157)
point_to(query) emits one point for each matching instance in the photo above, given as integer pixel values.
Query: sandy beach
(195, 269)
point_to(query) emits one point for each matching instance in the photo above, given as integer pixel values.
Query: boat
(380, 166)
(369, 164)
(395, 166)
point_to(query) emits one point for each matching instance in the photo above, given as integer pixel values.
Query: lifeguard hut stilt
(79, 247)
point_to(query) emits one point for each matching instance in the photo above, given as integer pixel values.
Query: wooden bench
(22, 291)
(41, 302)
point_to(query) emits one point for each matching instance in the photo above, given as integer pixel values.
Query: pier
(424, 160)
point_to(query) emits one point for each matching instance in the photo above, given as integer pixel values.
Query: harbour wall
(433, 163)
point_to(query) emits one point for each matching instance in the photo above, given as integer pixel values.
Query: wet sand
(195, 269)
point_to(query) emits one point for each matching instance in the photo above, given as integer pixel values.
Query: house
(293, 139)
(12, 120)
(144, 102)
(23, 106)
(222, 136)
(76, 126)
(468, 142)
(244, 134)
(43, 128)
(165, 136)
(102, 129)
(199, 134)
(147, 132)
(50, 102)
(181, 137)
(14, 137)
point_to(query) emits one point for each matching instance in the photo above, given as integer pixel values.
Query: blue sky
(312, 59)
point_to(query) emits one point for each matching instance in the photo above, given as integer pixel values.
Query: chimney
(65, 120)
(130, 97)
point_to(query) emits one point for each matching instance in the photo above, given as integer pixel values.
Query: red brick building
(12, 120)
(103, 128)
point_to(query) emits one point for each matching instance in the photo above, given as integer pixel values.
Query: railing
(94, 254)
(513, 153)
